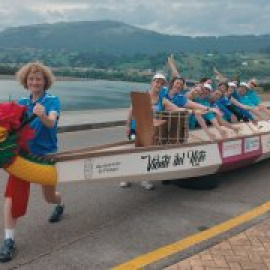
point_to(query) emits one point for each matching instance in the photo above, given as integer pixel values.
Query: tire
(201, 183)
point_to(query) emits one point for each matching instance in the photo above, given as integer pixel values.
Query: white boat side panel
(265, 143)
(179, 162)
(72, 173)
(70, 170)
(183, 174)
(265, 140)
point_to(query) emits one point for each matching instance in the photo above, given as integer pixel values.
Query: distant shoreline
(265, 95)
(58, 78)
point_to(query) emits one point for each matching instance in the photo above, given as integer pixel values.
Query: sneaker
(147, 185)
(8, 250)
(57, 213)
(125, 184)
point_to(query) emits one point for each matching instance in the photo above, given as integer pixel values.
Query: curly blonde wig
(34, 67)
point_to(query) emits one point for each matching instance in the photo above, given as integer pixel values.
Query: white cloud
(179, 17)
(54, 12)
(58, 7)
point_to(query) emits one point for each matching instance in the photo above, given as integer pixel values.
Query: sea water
(80, 94)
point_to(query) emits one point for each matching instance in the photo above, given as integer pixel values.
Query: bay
(80, 95)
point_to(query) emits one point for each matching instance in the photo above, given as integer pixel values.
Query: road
(105, 225)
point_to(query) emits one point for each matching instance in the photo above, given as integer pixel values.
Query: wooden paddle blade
(143, 115)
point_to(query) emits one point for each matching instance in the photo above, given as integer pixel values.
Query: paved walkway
(247, 250)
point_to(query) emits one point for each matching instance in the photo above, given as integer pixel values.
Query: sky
(173, 17)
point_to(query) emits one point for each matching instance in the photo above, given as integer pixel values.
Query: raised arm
(172, 67)
(219, 76)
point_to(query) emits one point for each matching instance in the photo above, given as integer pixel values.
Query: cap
(208, 86)
(159, 76)
(243, 84)
(232, 84)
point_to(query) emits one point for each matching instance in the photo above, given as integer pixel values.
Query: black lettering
(157, 162)
(179, 159)
(196, 157)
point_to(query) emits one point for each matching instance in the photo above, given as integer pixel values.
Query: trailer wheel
(202, 183)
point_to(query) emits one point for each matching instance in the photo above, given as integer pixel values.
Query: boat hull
(168, 162)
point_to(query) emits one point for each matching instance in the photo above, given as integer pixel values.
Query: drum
(172, 127)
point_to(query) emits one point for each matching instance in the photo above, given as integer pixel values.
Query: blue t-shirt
(235, 95)
(225, 101)
(177, 99)
(222, 104)
(184, 91)
(244, 112)
(45, 139)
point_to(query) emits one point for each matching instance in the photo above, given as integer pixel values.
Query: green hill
(116, 38)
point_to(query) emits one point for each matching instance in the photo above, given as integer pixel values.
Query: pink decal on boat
(240, 152)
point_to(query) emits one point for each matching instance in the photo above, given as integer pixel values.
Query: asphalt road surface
(105, 225)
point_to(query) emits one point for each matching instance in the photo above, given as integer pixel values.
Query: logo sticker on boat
(231, 148)
(251, 144)
(236, 152)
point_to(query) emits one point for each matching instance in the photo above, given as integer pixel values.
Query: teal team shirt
(253, 97)
(246, 100)
(205, 101)
(45, 139)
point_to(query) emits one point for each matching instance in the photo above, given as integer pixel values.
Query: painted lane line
(161, 253)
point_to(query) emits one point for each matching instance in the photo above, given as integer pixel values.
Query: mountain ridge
(114, 37)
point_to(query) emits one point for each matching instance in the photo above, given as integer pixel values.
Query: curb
(80, 127)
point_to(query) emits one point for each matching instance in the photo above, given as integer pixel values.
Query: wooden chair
(143, 115)
(165, 128)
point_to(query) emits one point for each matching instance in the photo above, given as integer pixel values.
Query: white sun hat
(159, 76)
(232, 84)
(243, 84)
(208, 86)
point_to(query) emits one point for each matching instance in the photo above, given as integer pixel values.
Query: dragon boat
(164, 149)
